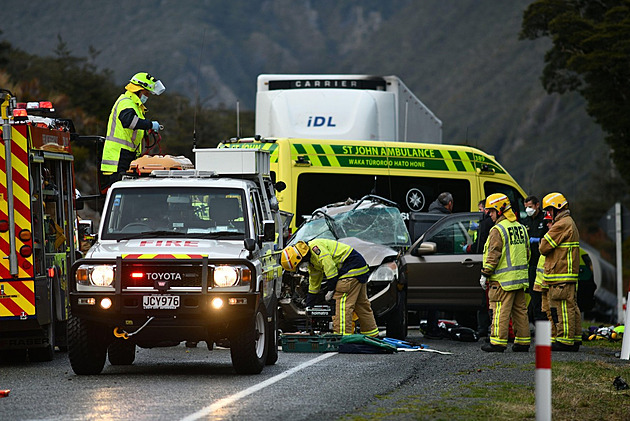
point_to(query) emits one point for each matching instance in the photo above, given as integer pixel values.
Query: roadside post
(543, 371)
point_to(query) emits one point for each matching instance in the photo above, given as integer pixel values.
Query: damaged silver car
(375, 228)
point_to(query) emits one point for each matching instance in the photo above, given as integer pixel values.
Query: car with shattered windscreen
(375, 228)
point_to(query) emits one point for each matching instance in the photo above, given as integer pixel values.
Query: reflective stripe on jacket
(540, 275)
(327, 262)
(561, 248)
(119, 137)
(506, 253)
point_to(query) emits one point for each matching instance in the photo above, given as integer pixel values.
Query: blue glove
(533, 240)
(474, 226)
(465, 248)
(155, 126)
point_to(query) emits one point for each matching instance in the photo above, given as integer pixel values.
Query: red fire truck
(37, 229)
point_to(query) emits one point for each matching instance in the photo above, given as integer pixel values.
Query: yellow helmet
(292, 255)
(498, 201)
(555, 200)
(143, 80)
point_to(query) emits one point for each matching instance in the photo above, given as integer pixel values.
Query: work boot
(560, 347)
(520, 348)
(492, 348)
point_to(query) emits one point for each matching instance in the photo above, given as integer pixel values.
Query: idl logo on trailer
(320, 121)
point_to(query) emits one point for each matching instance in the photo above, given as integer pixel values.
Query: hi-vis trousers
(351, 296)
(505, 304)
(565, 312)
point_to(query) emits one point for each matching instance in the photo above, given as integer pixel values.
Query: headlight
(385, 272)
(228, 276)
(100, 276)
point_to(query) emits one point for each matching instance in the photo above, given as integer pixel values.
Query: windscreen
(175, 212)
(381, 225)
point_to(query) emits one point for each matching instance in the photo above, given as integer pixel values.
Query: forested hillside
(462, 58)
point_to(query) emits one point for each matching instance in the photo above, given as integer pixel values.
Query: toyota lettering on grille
(164, 276)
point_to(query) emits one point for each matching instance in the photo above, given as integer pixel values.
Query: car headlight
(100, 275)
(227, 276)
(385, 272)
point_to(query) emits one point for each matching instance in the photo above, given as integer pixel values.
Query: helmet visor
(158, 88)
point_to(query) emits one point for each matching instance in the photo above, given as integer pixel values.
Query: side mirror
(269, 230)
(250, 246)
(279, 186)
(427, 247)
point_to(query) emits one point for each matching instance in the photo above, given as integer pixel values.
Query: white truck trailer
(352, 107)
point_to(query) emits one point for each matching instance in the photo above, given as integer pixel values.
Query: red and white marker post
(543, 371)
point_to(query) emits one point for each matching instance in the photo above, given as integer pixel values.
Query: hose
(123, 334)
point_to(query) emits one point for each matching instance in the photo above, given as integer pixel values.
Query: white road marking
(252, 389)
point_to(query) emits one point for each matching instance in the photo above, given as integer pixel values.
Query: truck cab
(182, 255)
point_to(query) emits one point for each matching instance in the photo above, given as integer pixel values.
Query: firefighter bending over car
(346, 274)
(505, 274)
(126, 128)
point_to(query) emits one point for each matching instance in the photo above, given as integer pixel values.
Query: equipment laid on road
(183, 256)
(37, 229)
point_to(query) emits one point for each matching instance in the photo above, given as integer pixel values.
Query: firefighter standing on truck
(346, 274)
(561, 248)
(126, 128)
(505, 257)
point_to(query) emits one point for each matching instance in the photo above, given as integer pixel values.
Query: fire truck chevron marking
(18, 297)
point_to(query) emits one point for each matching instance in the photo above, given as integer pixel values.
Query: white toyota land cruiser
(183, 255)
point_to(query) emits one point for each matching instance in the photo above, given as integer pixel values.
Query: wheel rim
(260, 335)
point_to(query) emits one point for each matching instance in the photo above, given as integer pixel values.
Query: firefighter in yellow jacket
(126, 128)
(505, 272)
(346, 274)
(561, 248)
(540, 285)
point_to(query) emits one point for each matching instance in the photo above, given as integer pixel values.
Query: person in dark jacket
(536, 228)
(443, 204)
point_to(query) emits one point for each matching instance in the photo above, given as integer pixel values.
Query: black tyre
(397, 320)
(249, 345)
(87, 347)
(272, 338)
(121, 352)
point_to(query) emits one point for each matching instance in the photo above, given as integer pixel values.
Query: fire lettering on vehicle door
(169, 243)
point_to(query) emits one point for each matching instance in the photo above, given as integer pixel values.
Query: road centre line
(252, 389)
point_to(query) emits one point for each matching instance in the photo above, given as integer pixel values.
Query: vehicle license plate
(160, 302)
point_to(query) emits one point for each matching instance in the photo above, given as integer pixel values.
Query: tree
(590, 54)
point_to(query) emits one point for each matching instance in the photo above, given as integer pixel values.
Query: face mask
(143, 98)
(530, 211)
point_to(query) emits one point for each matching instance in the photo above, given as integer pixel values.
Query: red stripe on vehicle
(11, 306)
(24, 291)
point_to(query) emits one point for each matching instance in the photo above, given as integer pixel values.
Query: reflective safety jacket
(505, 255)
(539, 283)
(119, 137)
(561, 248)
(332, 260)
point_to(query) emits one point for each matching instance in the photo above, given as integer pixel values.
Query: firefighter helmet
(292, 255)
(554, 200)
(498, 201)
(143, 80)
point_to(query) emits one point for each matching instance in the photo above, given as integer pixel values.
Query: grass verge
(581, 390)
